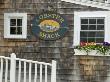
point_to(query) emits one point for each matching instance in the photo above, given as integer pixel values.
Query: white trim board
(91, 3)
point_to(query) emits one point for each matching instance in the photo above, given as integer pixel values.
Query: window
(15, 25)
(91, 26)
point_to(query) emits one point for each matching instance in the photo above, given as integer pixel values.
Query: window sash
(91, 34)
(17, 27)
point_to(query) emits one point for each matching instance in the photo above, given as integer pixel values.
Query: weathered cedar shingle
(70, 68)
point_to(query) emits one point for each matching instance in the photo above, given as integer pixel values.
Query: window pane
(12, 22)
(91, 34)
(100, 21)
(92, 27)
(19, 22)
(19, 30)
(84, 21)
(100, 27)
(92, 21)
(84, 27)
(12, 30)
(100, 34)
(83, 34)
(99, 40)
(91, 39)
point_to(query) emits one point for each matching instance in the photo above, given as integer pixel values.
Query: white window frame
(77, 24)
(7, 17)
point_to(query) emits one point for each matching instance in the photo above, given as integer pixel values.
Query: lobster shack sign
(49, 26)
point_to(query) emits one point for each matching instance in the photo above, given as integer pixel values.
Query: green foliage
(102, 49)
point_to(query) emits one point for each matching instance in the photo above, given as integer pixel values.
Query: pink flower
(82, 43)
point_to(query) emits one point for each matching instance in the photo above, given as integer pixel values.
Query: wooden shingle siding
(70, 68)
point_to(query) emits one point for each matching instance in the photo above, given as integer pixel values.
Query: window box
(91, 53)
(15, 25)
(93, 49)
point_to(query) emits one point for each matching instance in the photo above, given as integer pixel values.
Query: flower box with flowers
(93, 49)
